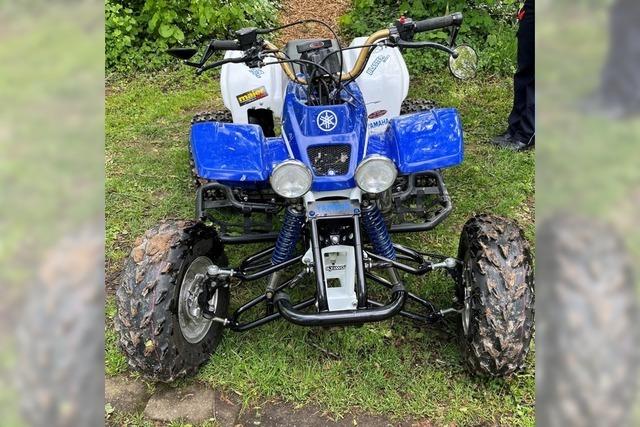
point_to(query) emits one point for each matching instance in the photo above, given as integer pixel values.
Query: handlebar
(437, 23)
(225, 45)
(402, 32)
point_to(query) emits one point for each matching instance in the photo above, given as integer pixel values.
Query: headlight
(291, 179)
(376, 174)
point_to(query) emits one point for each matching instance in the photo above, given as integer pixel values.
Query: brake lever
(417, 45)
(205, 57)
(221, 62)
(454, 36)
(204, 68)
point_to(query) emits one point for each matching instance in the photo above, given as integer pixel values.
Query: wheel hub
(193, 325)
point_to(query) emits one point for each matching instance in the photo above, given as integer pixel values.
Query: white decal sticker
(376, 63)
(257, 72)
(378, 123)
(327, 120)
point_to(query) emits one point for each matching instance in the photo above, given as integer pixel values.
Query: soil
(328, 11)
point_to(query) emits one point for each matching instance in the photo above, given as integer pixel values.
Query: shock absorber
(288, 236)
(285, 245)
(376, 229)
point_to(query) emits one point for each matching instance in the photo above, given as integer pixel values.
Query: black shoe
(513, 142)
(502, 138)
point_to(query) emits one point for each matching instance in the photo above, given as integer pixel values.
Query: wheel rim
(193, 325)
(466, 310)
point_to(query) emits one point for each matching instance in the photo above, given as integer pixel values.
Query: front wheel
(162, 330)
(496, 289)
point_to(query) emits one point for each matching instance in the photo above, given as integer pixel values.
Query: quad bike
(347, 171)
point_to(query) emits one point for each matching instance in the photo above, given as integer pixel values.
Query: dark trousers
(522, 117)
(621, 73)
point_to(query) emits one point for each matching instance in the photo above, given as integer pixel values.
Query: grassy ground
(395, 367)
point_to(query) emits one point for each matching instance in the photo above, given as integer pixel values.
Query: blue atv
(318, 160)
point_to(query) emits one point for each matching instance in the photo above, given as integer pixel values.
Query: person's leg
(620, 85)
(522, 118)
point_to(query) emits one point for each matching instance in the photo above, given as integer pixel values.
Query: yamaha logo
(327, 120)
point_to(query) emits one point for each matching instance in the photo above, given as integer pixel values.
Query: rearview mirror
(182, 52)
(465, 65)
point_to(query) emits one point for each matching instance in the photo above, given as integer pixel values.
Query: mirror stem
(454, 36)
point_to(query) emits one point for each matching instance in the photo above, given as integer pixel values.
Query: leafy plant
(138, 34)
(121, 29)
(489, 27)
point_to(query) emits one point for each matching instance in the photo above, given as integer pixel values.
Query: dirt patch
(527, 212)
(328, 11)
(198, 403)
(284, 415)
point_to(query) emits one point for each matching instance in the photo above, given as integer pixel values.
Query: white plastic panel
(384, 83)
(238, 79)
(339, 265)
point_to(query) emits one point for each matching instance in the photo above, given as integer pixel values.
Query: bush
(489, 27)
(139, 31)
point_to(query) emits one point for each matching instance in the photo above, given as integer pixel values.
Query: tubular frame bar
(371, 311)
(361, 285)
(244, 207)
(339, 318)
(321, 291)
(424, 268)
(241, 327)
(411, 296)
(411, 315)
(247, 263)
(267, 271)
(431, 224)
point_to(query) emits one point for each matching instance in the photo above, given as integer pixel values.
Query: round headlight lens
(376, 174)
(291, 179)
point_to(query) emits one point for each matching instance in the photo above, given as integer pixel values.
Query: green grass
(393, 368)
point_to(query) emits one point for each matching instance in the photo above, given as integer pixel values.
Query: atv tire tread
(417, 105)
(58, 340)
(589, 339)
(147, 317)
(502, 296)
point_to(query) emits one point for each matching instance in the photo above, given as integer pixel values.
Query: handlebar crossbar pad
(225, 45)
(437, 23)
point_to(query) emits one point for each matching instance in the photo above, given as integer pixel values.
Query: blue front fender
(421, 141)
(239, 154)
(234, 153)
